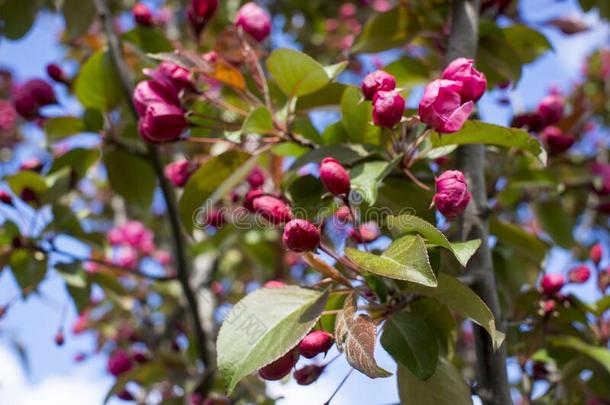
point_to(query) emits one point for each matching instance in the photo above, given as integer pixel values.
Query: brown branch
(493, 387)
(178, 241)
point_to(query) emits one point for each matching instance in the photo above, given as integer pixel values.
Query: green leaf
(489, 134)
(411, 341)
(356, 335)
(148, 39)
(408, 71)
(401, 224)
(366, 178)
(97, 83)
(79, 15)
(526, 243)
(76, 283)
(93, 119)
(259, 121)
(28, 269)
(17, 17)
(130, 176)
(201, 189)
(445, 387)
(356, 115)
(27, 179)
(384, 31)
(599, 354)
(398, 194)
(527, 42)
(60, 127)
(78, 159)
(553, 219)
(496, 58)
(264, 326)
(458, 297)
(347, 155)
(296, 73)
(406, 259)
(328, 96)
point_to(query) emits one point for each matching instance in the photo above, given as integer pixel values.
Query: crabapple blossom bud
(256, 178)
(441, 106)
(179, 172)
(280, 367)
(308, 374)
(556, 140)
(215, 218)
(174, 77)
(452, 195)
(8, 116)
(31, 96)
(301, 235)
(199, 12)
(274, 284)
(579, 274)
(271, 208)
(548, 306)
(388, 108)
(28, 195)
(551, 109)
(366, 233)
(596, 253)
(119, 363)
(316, 342)
(56, 73)
(125, 395)
(151, 91)
(59, 338)
(6, 198)
(552, 283)
(254, 20)
(162, 122)
(377, 81)
(473, 82)
(142, 14)
(334, 176)
(250, 197)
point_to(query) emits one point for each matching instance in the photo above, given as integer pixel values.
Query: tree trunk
(492, 375)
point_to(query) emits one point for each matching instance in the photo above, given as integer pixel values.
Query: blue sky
(55, 379)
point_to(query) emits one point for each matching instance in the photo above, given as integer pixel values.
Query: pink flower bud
(552, 283)
(215, 218)
(28, 195)
(316, 342)
(142, 14)
(452, 195)
(376, 81)
(556, 140)
(119, 363)
(56, 73)
(274, 284)
(126, 257)
(367, 232)
(151, 91)
(308, 374)
(388, 108)
(6, 198)
(250, 197)
(280, 367)
(199, 12)
(301, 235)
(347, 11)
(579, 274)
(596, 253)
(179, 172)
(31, 96)
(334, 176)
(59, 338)
(441, 106)
(162, 122)
(549, 306)
(551, 109)
(256, 178)
(254, 20)
(125, 395)
(271, 208)
(8, 116)
(82, 323)
(473, 82)
(174, 77)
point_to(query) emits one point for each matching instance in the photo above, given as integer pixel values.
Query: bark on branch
(493, 387)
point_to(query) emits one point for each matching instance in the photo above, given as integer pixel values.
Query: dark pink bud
(533, 121)
(250, 197)
(6, 198)
(142, 14)
(174, 77)
(551, 109)
(601, 178)
(56, 73)
(8, 116)
(254, 20)
(334, 176)
(473, 82)
(162, 122)
(119, 362)
(316, 342)
(441, 106)
(596, 253)
(179, 172)
(59, 338)
(274, 284)
(549, 306)
(199, 12)
(376, 81)
(301, 235)
(367, 232)
(125, 395)
(215, 218)
(552, 283)
(140, 357)
(28, 195)
(579, 274)
(556, 140)
(343, 215)
(33, 164)
(256, 178)
(452, 195)
(151, 91)
(31, 96)
(308, 374)
(272, 209)
(388, 108)
(280, 367)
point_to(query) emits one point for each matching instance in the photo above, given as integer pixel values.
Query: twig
(339, 387)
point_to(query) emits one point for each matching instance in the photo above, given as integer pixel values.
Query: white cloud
(65, 389)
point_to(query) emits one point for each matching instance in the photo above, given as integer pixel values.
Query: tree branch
(178, 242)
(493, 387)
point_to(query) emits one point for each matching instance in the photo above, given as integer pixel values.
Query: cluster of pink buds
(388, 104)
(251, 18)
(180, 171)
(29, 97)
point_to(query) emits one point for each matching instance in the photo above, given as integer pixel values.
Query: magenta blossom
(150, 91)
(133, 234)
(552, 283)
(170, 75)
(556, 140)
(179, 172)
(142, 14)
(334, 176)
(162, 122)
(376, 81)
(199, 12)
(8, 116)
(29, 97)
(452, 195)
(473, 82)
(388, 108)
(254, 20)
(119, 362)
(301, 236)
(551, 109)
(441, 106)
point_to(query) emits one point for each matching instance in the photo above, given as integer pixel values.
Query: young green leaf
(130, 176)
(97, 83)
(296, 73)
(259, 121)
(366, 178)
